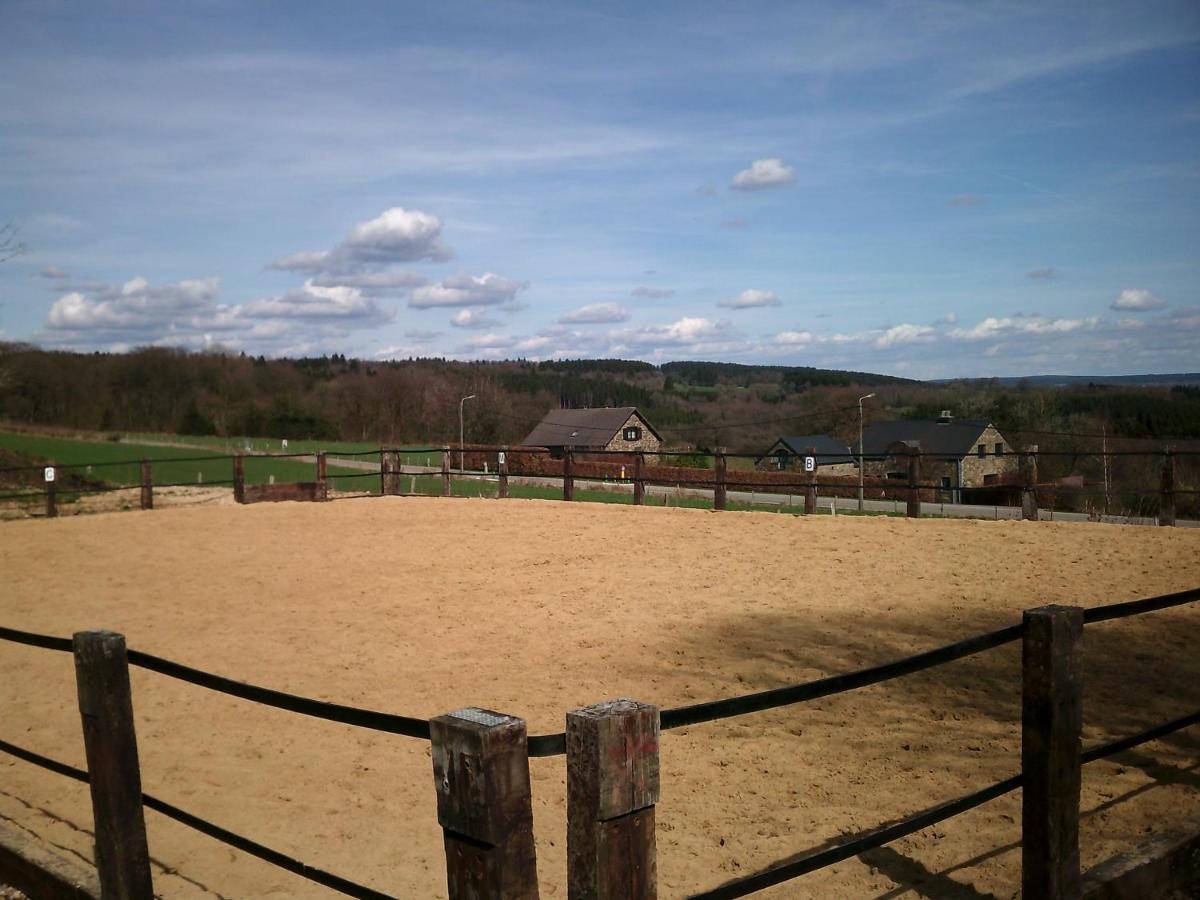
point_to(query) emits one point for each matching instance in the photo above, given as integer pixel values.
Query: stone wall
(647, 442)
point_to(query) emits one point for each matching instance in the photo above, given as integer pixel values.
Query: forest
(693, 404)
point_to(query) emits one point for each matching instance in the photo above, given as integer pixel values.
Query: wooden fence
(643, 469)
(480, 762)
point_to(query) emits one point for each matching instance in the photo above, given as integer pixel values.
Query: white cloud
(384, 282)
(472, 318)
(693, 332)
(652, 293)
(595, 313)
(466, 290)
(750, 299)
(314, 302)
(992, 327)
(793, 338)
(905, 334)
(135, 305)
(1138, 300)
(397, 235)
(763, 174)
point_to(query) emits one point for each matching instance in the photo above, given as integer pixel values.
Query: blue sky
(926, 189)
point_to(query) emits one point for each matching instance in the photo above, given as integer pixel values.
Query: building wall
(646, 442)
(974, 469)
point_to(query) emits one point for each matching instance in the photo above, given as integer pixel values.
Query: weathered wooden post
(1029, 507)
(719, 495)
(106, 708)
(1051, 722)
(502, 469)
(323, 475)
(481, 774)
(639, 479)
(51, 480)
(446, 471)
(239, 478)
(914, 481)
(147, 495)
(568, 474)
(612, 787)
(810, 492)
(1166, 496)
(385, 472)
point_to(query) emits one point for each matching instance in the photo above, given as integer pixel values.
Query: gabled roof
(830, 451)
(956, 437)
(583, 427)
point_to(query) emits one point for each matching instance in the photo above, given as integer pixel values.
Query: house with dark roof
(833, 457)
(956, 453)
(607, 428)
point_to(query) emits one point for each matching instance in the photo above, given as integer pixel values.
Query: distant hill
(1186, 378)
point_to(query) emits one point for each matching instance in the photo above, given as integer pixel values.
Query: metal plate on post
(501, 457)
(810, 464)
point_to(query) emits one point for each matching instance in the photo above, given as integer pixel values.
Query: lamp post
(860, 450)
(460, 430)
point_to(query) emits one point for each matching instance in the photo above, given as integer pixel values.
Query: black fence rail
(614, 744)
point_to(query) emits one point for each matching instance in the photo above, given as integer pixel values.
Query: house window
(946, 482)
(897, 476)
(981, 451)
(781, 460)
(990, 479)
(633, 433)
(999, 449)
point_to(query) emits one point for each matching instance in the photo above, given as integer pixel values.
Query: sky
(928, 189)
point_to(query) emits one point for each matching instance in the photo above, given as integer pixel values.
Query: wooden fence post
(481, 773)
(323, 475)
(914, 480)
(239, 478)
(612, 787)
(568, 474)
(51, 476)
(719, 495)
(639, 480)
(1051, 722)
(385, 472)
(446, 471)
(1029, 507)
(810, 492)
(1166, 497)
(147, 497)
(502, 469)
(106, 708)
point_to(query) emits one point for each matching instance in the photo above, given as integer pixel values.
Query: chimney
(945, 418)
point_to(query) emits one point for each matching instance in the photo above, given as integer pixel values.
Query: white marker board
(810, 464)
(49, 474)
(501, 457)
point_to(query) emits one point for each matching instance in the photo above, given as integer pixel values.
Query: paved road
(788, 501)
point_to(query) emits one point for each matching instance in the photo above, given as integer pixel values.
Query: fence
(904, 482)
(481, 769)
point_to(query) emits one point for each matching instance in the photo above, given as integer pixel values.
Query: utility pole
(860, 449)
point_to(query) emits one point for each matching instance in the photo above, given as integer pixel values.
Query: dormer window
(633, 433)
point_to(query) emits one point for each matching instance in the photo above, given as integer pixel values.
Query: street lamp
(860, 450)
(461, 466)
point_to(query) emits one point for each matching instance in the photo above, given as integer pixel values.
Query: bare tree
(10, 244)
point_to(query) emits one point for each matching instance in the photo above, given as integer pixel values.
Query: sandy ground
(425, 605)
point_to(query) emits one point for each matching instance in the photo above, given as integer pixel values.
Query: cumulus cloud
(992, 327)
(397, 235)
(904, 334)
(696, 333)
(135, 305)
(466, 290)
(472, 318)
(652, 293)
(595, 313)
(311, 301)
(763, 174)
(385, 282)
(1137, 300)
(1046, 273)
(964, 200)
(749, 299)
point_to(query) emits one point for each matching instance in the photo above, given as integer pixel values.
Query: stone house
(620, 428)
(957, 454)
(787, 454)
